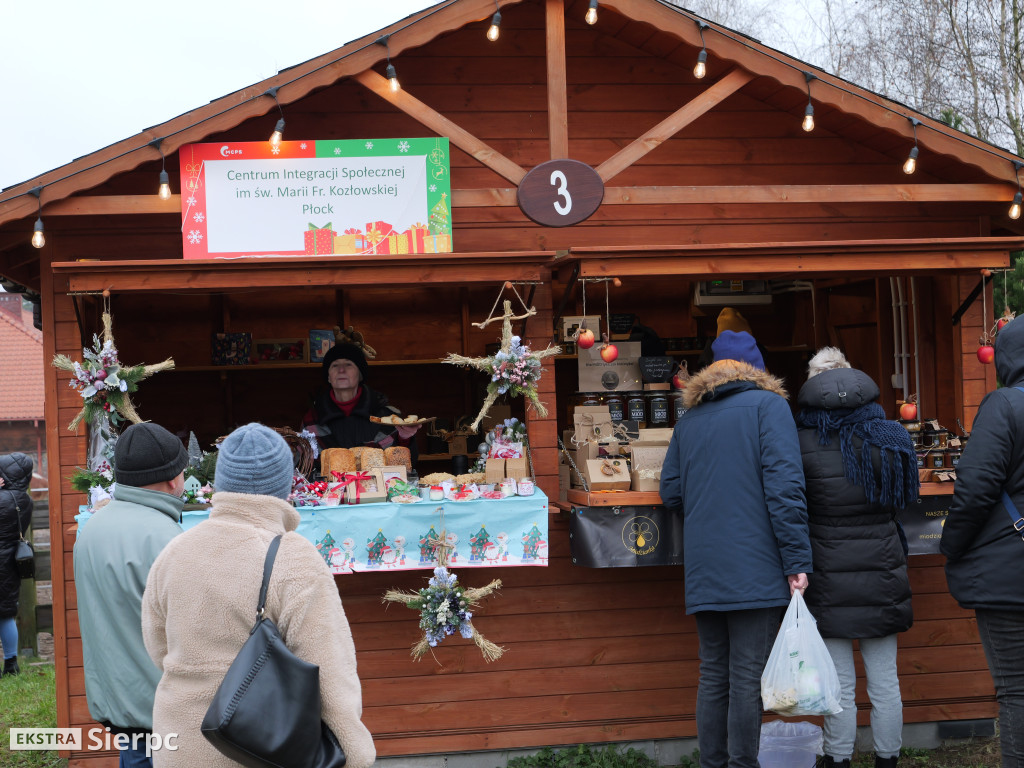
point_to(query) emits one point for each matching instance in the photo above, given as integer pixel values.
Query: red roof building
(21, 383)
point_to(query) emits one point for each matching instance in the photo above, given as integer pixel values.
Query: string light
(808, 123)
(911, 164)
(389, 71)
(38, 238)
(495, 29)
(165, 181)
(278, 134)
(1014, 212)
(701, 69)
(591, 17)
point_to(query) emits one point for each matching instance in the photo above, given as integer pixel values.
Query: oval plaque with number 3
(560, 193)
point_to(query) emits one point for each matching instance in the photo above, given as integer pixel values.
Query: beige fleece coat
(200, 603)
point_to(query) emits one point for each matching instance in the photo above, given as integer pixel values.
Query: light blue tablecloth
(375, 537)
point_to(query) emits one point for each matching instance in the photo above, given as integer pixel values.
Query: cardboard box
(659, 435)
(494, 471)
(458, 446)
(370, 489)
(598, 480)
(564, 482)
(591, 422)
(647, 459)
(517, 469)
(620, 375)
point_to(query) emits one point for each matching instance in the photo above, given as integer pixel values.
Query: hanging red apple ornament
(1007, 317)
(986, 354)
(585, 338)
(908, 411)
(609, 352)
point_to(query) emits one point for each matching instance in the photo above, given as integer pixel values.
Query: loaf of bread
(358, 453)
(398, 456)
(336, 460)
(371, 458)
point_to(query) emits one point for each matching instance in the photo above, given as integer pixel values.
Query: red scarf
(348, 405)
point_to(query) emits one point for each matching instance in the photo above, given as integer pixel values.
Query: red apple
(986, 354)
(585, 340)
(609, 352)
(908, 411)
(677, 382)
(1001, 322)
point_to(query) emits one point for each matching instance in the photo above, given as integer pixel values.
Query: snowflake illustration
(302, 145)
(275, 150)
(195, 236)
(337, 150)
(403, 146)
(433, 187)
(199, 217)
(369, 145)
(191, 201)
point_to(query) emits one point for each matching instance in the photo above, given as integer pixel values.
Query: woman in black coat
(15, 516)
(985, 555)
(861, 471)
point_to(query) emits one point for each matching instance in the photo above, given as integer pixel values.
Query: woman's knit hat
(146, 454)
(730, 319)
(254, 459)
(737, 346)
(346, 352)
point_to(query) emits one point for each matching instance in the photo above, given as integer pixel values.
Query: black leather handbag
(266, 713)
(25, 560)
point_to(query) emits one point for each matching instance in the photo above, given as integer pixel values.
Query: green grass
(28, 700)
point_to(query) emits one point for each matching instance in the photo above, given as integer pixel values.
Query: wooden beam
(441, 125)
(558, 101)
(671, 125)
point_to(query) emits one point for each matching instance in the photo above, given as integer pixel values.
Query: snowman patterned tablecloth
(381, 537)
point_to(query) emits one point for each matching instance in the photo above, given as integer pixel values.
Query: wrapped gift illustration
(417, 232)
(377, 236)
(352, 241)
(319, 240)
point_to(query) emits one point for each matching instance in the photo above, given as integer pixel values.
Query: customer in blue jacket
(985, 555)
(734, 471)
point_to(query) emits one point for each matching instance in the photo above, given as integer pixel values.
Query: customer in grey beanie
(203, 590)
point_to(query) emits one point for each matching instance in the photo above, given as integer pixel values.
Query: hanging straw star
(446, 606)
(103, 382)
(514, 369)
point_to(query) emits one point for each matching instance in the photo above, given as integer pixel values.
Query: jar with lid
(657, 402)
(616, 406)
(678, 405)
(590, 398)
(636, 408)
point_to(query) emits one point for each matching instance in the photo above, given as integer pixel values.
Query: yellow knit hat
(731, 320)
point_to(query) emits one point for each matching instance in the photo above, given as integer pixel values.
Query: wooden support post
(558, 105)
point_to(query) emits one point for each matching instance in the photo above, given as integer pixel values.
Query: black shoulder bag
(24, 554)
(266, 713)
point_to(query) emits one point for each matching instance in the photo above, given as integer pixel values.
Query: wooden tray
(377, 420)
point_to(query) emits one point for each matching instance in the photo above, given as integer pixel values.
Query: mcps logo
(226, 151)
(95, 739)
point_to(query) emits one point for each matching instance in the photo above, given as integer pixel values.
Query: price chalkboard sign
(622, 323)
(657, 370)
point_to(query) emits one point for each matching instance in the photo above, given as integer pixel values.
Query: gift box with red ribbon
(363, 488)
(319, 241)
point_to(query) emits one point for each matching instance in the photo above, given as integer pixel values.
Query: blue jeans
(9, 637)
(135, 758)
(1002, 636)
(734, 647)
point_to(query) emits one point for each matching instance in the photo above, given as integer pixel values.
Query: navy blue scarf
(899, 482)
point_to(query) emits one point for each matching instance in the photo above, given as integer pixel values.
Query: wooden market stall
(699, 179)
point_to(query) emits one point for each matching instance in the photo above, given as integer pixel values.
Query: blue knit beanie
(254, 459)
(733, 345)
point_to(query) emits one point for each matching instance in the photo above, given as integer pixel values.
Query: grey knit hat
(254, 459)
(147, 453)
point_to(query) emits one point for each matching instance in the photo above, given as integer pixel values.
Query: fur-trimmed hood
(705, 383)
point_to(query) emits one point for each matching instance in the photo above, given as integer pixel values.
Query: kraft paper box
(371, 490)
(494, 471)
(564, 482)
(592, 422)
(660, 435)
(646, 465)
(517, 469)
(599, 481)
(620, 375)
(595, 450)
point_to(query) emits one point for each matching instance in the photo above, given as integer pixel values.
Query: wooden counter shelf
(582, 498)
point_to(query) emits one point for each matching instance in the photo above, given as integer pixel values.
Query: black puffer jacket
(15, 516)
(860, 586)
(985, 555)
(356, 429)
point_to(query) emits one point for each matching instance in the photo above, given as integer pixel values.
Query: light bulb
(495, 28)
(911, 164)
(808, 123)
(701, 69)
(392, 77)
(1015, 208)
(278, 134)
(165, 186)
(591, 16)
(39, 239)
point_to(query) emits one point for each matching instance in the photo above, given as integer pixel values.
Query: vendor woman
(340, 416)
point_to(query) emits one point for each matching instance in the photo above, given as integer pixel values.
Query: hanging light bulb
(808, 123)
(911, 164)
(701, 68)
(392, 77)
(38, 238)
(1014, 212)
(278, 135)
(591, 17)
(495, 29)
(165, 186)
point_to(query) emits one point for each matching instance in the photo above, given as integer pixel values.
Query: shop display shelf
(582, 498)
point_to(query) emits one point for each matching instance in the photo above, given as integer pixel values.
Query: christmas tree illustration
(324, 547)
(531, 540)
(426, 549)
(478, 543)
(439, 218)
(375, 548)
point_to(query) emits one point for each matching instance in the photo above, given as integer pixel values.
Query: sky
(78, 76)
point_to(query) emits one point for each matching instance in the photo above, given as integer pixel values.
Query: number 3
(557, 177)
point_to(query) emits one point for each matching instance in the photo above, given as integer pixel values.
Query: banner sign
(624, 537)
(394, 537)
(923, 521)
(316, 198)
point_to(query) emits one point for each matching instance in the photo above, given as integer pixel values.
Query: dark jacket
(15, 517)
(733, 471)
(356, 429)
(985, 556)
(860, 586)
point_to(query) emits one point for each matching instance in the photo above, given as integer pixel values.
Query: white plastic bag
(800, 678)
